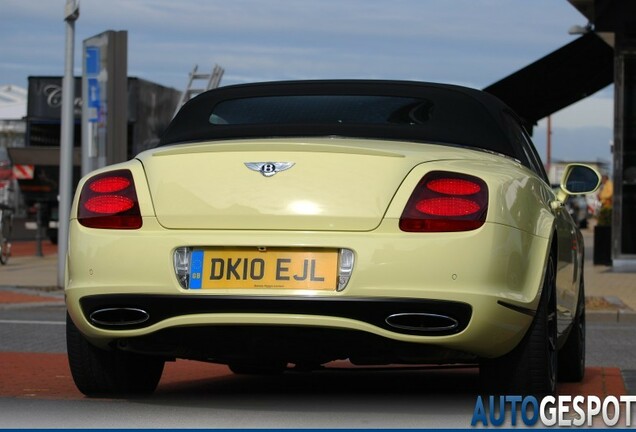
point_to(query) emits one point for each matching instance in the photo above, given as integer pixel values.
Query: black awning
(45, 156)
(558, 80)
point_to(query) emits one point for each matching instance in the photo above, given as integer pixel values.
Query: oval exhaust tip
(120, 316)
(422, 322)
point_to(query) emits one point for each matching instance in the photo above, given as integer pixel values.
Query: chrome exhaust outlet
(121, 316)
(422, 322)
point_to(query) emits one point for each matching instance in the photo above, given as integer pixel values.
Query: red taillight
(109, 184)
(445, 201)
(453, 186)
(109, 204)
(447, 206)
(109, 201)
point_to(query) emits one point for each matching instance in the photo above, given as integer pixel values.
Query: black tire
(262, 368)
(115, 373)
(530, 368)
(572, 354)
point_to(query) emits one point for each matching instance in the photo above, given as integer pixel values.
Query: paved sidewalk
(611, 295)
(30, 272)
(30, 279)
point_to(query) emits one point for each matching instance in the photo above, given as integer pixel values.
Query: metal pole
(71, 13)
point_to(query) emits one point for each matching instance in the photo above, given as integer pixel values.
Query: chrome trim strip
(453, 322)
(145, 316)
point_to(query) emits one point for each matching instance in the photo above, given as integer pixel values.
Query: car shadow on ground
(332, 388)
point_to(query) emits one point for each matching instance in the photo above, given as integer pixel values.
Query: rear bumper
(467, 276)
(486, 327)
(303, 346)
(427, 317)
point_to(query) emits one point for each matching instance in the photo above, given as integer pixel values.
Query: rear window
(325, 109)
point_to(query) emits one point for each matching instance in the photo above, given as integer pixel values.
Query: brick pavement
(51, 373)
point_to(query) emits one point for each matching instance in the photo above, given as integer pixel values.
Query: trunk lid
(334, 184)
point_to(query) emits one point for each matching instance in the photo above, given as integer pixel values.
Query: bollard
(38, 231)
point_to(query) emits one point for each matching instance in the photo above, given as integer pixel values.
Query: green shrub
(605, 216)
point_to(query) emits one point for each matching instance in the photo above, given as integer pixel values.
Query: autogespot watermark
(552, 411)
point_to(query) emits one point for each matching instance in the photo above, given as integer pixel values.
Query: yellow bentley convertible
(290, 224)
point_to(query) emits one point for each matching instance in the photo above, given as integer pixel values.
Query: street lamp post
(71, 13)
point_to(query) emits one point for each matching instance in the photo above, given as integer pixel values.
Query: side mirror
(580, 179)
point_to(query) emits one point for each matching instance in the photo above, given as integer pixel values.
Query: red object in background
(23, 172)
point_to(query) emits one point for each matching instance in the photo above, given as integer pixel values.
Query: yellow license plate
(266, 268)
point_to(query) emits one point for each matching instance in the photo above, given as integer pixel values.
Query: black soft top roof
(454, 115)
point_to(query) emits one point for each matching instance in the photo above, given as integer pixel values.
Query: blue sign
(92, 61)
(93, 100)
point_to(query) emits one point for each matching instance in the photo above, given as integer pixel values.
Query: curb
(12, 297)
(611, 316)
(29, 305)
(49, 289)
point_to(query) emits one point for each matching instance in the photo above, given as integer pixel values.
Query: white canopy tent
(13, 102)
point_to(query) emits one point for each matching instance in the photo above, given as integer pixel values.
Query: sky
(467, 42)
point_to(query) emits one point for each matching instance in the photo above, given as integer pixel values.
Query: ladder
(204, 81)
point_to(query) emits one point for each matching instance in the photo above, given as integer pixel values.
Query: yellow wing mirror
(578, 179)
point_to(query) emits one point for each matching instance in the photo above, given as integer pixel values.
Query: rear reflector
(444, 202)
(109, 201)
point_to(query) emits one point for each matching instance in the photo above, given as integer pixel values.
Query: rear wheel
(98, 372)
(572, 354)
(530, 368)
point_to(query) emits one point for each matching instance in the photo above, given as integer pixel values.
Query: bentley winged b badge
(268, 169)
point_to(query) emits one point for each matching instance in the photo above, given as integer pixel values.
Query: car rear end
(354, 238)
